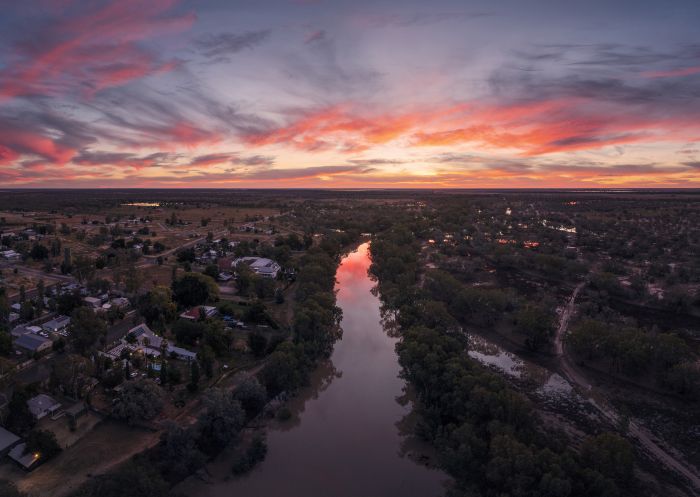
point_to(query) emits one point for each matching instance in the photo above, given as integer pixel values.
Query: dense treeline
(635, 351)
(486, 433)
(315, 325)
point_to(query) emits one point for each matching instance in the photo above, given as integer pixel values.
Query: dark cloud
(375, 162)
(315, 36)
(209, 159)
(124, 159)
(223, 45)
(297, 173)
(253, 160)
(415, 19)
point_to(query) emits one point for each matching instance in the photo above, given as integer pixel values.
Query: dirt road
(650, 444)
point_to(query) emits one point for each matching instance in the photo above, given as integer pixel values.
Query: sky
(350, 94)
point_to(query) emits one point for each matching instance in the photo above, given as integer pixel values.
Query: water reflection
(542, 383)
(349, 435)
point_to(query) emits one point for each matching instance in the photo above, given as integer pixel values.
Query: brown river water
(348, 436)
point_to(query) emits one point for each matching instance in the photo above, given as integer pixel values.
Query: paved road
(650, 444)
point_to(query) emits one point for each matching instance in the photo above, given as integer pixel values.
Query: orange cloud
(531, 128)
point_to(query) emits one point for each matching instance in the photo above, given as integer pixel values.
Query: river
(348, 436)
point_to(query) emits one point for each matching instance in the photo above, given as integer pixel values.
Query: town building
(42, 405)
(7, 441)
(197, 312)
(33, 344)
(262, 266)
(56, 324)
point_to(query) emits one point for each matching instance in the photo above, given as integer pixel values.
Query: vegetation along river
(348, 436)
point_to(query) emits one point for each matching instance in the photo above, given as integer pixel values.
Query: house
(196, 312)
(262, 266)
(10, 255)
(41, 405)
(56, 324)
(182, 354)
(33, 344)
(151, 344)
(7, 441)
(26, 461)
(93, 302)
(120, 302)
(18, 331)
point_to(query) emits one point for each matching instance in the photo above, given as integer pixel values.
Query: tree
(26, 311)
(252, 396)
(193, 385)
(39, 252)
(178, 454)
(5, 342)
(188, 332)
(133, 279)
(67, 302)
(186, 255)
(536, 324)
(4, 304)
(163, 373)
(257, 343)
(19, 418)
(286, 369)
(83, 268)
(157, 307)
(68, 374)
(221, 422)
(42, 444)
(139, 400)
(86, 328)
(194, 289)
(611, 455)
(212, 270)
(205, 356)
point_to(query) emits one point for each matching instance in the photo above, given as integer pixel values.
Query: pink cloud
(98, 49)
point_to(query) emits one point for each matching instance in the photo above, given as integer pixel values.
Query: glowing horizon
(335, 94)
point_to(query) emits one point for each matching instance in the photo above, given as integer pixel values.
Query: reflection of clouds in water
(352, 281)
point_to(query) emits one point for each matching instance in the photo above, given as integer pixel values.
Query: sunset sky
(350, 94)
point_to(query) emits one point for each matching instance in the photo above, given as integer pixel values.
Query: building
(93, 302)
(18, 331)
(262, 266)
(27, 461)
(7, 441)
(56, 324)
(151, 344)
(10, 255)
(120, 302)
(33, 344)
(196, 312)
(42, 405)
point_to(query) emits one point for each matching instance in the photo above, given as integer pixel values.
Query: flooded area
(538, 381)
(348, 436)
